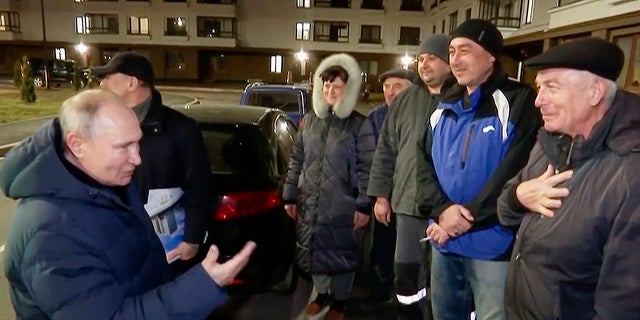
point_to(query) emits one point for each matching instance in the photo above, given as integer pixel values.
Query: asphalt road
(268, 305)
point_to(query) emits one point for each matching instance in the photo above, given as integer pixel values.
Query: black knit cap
(398, 73)
(595, 55)
(481, 32)
(129, 63)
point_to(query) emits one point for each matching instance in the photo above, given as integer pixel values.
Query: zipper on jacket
(516, 263)
(465, 147)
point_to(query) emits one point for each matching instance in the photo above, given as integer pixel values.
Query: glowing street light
(406, 61)
(302, 56)
(82, 50)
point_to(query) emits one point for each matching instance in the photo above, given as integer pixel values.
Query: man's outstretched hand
(223, 273)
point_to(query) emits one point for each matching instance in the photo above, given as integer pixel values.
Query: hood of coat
(34, 168)
(345, 106)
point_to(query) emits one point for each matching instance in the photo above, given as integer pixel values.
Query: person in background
(172, 149)
(479, 137)
(394, 181)
(383, 237)
(81, 244)
(577, 202)
(325, 188)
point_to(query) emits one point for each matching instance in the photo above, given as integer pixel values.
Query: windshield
(285, 101)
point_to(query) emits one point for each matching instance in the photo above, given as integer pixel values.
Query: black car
(60, 71)
(249, 150)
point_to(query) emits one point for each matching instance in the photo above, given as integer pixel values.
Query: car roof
(225, 113)
(300, 86)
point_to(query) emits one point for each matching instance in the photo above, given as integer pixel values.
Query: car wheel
(288, 284)
(38, 82)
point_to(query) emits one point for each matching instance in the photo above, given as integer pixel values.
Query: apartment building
(273, 40)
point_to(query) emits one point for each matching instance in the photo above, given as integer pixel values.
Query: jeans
(456, 280)
(338, 285)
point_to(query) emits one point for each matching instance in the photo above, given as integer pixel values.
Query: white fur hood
(345, 106)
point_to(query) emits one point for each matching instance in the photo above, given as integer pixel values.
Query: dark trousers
(381, 255)
(412, 269)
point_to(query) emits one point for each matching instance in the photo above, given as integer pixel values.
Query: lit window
(303, 3)
(138, 25)
(303, 30)
(529, 16)
(275, 64)
(60, 53)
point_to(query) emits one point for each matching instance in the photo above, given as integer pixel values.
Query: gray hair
(78, 113)
(612, 88)
(581, 78)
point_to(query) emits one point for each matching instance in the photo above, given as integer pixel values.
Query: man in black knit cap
(478, 138)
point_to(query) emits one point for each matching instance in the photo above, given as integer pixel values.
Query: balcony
(502, 13)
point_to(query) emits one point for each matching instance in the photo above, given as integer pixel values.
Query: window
(370, 34)
(275, 64)
(9, 21)
(409, 36)
(97, 24)
(176, 26)
(138, 25)
(467, 15)
(331, 31)
(303, 3)
(453, 21)
(370, 67)
(216, 27)
(60, 53)
(332, 3)
(372, 4)
(175, 0)
(442, 25)
(411, 5)
(629, 78)
(528, 16)
(176, 61)
(302, 30)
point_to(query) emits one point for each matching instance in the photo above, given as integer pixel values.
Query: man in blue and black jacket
(478, 138)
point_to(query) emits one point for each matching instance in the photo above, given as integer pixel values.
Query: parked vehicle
(60, 71)
(295, 100)
(249, 150)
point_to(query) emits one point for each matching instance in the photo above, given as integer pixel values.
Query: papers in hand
(167, 216)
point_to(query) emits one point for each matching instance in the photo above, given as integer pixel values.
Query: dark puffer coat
(328, 176)
(584, 263)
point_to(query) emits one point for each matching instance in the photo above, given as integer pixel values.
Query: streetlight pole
(44, 44)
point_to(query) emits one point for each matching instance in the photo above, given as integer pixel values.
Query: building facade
(284, 40)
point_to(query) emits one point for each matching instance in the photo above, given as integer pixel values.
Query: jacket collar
(152, 123)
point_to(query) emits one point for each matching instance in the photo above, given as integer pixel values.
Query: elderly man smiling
(577, 202)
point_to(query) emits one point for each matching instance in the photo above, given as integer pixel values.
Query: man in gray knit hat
(478, 138)
(393, 175)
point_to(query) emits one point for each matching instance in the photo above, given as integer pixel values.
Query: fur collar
(345, 106)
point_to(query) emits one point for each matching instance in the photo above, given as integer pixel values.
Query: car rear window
(241, 150)
(285, 101)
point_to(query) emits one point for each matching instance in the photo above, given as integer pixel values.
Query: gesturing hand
(223, 273)
(541, 194)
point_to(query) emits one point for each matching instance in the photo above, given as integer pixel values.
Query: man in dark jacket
(479, 137)
(174, 158)
(393, 175)
(383, 239)
(81, 244)
(577, 202)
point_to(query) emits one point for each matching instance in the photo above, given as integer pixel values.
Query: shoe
(334, 314)
(314, 308)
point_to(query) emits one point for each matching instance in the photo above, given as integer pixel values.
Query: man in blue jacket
(478, 138)
(81, 245)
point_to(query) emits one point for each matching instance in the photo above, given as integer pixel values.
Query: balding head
(101, 136)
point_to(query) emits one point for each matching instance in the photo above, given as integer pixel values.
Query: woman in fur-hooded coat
(325, 189)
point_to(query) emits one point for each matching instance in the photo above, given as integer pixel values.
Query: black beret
(398, 73)
(595, 55)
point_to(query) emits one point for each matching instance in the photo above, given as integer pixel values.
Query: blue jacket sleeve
(68, 282)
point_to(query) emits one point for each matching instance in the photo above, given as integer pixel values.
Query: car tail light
(241, 204)
(236, 282)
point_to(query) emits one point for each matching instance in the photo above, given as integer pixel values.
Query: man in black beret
(383, 241)
(577, 202)
(478, 138)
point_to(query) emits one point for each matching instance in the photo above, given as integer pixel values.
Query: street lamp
(406, 61)
(302, 56)
(82, 49)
